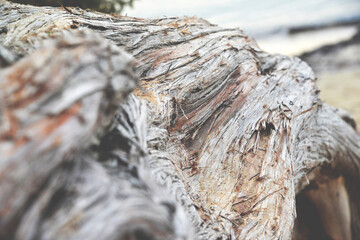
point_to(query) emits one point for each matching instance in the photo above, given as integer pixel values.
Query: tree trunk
(220, 140)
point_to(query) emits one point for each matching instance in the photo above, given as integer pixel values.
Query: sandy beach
(342, 89)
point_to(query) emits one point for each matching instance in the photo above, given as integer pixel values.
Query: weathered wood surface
(215, 144)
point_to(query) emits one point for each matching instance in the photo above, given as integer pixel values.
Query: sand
(342, 89)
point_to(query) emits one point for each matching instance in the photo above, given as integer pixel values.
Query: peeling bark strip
(230, 133)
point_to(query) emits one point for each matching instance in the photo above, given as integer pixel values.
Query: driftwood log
(193, 133)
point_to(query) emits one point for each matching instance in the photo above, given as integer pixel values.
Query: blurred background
(325, 33)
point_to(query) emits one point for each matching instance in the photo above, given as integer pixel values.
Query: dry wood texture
(214, 144)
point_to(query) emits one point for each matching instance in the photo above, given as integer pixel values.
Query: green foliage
(115, 6)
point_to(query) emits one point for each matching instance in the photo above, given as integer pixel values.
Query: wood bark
(218, 140)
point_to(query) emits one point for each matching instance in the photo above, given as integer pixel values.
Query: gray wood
(216, 142)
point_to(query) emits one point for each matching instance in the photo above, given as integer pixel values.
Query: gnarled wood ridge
(193, 133)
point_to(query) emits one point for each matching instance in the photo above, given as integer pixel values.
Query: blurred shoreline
(337, 67)
(355, 21)
(297, 41)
